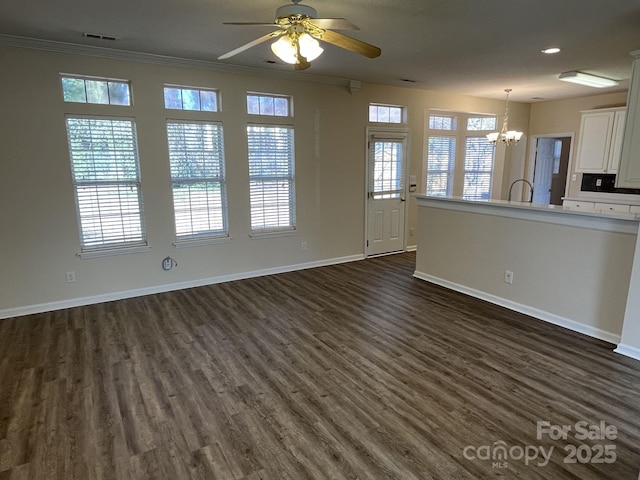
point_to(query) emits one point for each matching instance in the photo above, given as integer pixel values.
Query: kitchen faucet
(525, 181)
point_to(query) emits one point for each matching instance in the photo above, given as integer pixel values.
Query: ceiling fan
(298, 32)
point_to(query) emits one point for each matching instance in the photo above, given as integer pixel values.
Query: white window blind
(271, 177)
(106, 178)
(478, 168)
(441, 158)
(387, 175)
(196, 157)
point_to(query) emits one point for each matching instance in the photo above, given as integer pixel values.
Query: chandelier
(505, 136)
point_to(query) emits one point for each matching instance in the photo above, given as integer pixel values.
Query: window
(385, 113)
(196, 158)
(271, 177)
(186, 98)
(387, 171)
(270, 105)
(106, 179)
(95, 90)
(442, 122)
(459, 157)
(441, 158)
(478, 168)
(481, 123)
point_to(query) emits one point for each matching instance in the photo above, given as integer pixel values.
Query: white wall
(39, 239)
(630, 341)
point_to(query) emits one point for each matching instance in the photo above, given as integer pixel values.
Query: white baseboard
(108, 297)
(526, 309)
(411, 248)
(628, 351)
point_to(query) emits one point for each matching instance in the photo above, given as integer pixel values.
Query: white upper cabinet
(629, 172)
(600, 141)
(616, 141)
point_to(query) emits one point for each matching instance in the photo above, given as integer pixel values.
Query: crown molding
(112, 53)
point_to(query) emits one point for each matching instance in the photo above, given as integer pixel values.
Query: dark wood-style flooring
(354, 371)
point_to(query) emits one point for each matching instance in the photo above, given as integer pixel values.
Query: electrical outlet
(303, 246)
(508, 277)
(71, 277)
(412, 232)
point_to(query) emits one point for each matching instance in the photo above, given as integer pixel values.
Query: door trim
(382, 131)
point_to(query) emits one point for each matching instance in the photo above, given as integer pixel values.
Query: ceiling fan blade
(247, 46)
(260, 24)
(352, 44)
(333, 23)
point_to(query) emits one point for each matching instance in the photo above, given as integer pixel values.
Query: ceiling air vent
(97, 36)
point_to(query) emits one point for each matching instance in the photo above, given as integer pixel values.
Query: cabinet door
(635, 209)
(612, 207)
(576, 205)
(616, 142)
(629, 171)
(595, 142)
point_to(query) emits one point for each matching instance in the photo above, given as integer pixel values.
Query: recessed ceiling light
(551, 50)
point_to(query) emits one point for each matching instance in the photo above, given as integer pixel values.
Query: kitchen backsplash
(600, 182)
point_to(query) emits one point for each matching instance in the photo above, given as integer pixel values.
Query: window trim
(109, 252)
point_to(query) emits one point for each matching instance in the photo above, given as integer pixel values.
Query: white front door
(386, 192)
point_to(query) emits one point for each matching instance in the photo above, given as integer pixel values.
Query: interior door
(543, 173)
(386, 192)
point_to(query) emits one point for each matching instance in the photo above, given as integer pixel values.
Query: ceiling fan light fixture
(309, 47)
(587, 79)
(285, 48)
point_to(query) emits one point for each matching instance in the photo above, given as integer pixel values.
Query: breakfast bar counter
(568, 267)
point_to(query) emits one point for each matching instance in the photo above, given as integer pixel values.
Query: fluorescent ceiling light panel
(588, 80)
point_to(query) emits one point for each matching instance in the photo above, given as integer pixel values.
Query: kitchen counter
(592, 219)
(567, 267)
